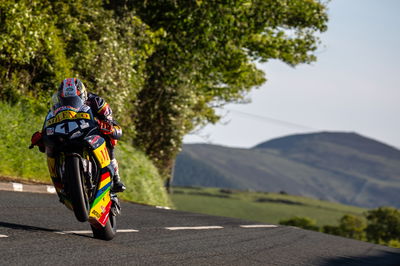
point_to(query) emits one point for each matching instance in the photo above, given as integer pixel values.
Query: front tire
(108, 232)
(75, 186)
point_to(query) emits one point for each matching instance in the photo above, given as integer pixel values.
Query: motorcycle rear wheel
(108, 232)
(79, 200)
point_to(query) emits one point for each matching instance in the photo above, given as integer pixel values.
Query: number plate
(102, 155)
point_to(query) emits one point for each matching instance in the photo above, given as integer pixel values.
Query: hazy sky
(353, 86)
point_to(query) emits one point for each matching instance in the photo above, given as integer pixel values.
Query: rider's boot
(115, 206)
(117, 186)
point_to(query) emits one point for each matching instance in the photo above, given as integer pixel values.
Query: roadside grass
(17, 124)
(19, 121)
(259, 206)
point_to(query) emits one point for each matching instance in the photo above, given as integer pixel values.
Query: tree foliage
(350, 226)
(164, 65)
(43, 42)
(383, 225)
(32, 55)
(207, 58)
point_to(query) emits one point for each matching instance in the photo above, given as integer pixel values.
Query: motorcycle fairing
(100, 151)
(67, 115)
(100, 207)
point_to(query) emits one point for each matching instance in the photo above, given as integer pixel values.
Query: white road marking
(127, 231)
(3, 236)
(162, 207)
(89, 231)
(258, 226)
(51, 189)
(193, 228)
(17, 187)
(74, 232)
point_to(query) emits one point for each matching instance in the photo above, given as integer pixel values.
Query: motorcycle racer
(109, 129)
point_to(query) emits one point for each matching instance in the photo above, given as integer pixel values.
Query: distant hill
(342, 167)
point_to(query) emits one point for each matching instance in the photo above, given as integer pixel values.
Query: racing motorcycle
(79, 165)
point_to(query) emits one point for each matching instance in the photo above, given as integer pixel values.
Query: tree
(166, 64)
(43, 42)
(301, 222)
(207, 59)
(350, 226)
(383, 225)
(32, 57)
(107, 52)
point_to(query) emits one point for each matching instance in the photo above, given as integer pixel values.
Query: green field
(259, 206)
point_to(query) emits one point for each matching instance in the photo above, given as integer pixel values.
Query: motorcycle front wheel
(80, 203)
(108, 232)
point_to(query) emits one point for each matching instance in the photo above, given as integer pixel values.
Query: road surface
(35, 229)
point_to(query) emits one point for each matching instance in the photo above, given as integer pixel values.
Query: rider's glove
(37, 140)
(105, 127)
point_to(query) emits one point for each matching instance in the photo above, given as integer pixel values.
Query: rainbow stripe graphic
(100, 208)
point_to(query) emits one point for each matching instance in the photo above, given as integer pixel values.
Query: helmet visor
(72, 101)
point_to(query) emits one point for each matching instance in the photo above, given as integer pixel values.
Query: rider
(109, 129)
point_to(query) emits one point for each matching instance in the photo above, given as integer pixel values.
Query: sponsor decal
(95, 213)
(76, 134)
(63, 108)
(94, 140)
(49, 131)
(67, 115)
(103, 219)
(84, 124)
(84, 108)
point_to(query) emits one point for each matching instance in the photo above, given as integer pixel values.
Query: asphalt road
(35, 230)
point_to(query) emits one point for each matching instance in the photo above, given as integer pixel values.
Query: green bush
(350, 226)
(301, 222)
(394, 243)
(380, 226)
(331, 229)
(383, 225)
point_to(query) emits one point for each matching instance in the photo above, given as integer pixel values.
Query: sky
(352, 87)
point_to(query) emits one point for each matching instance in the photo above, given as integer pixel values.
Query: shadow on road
(26, 227)
(384, 258)
(32, 228)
